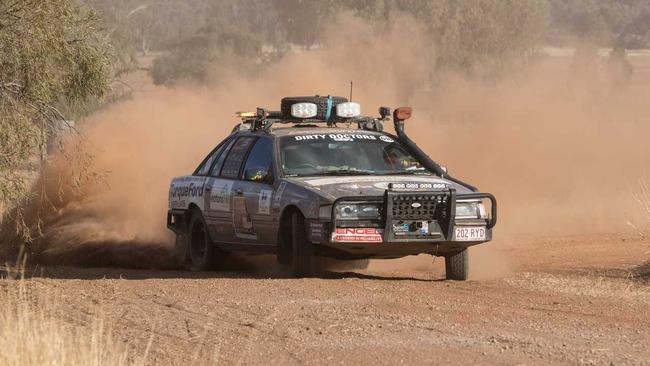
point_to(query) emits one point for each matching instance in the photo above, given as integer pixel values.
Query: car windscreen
(346, 154)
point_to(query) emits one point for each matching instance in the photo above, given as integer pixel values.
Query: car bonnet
(346, 186)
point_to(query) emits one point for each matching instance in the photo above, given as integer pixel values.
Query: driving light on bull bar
(470, 210)
(357, 211)
(304, 110)
(347, 110)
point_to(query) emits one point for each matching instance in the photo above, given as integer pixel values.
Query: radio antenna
(350, 90)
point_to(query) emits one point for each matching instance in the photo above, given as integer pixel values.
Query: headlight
(357, 211)
(470, 210)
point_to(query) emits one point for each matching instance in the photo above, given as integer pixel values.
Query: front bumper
(431, 227)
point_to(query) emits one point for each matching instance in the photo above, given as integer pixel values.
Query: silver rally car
(295, 184)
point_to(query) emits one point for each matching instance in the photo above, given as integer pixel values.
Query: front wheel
(457, 266)
(302, 250)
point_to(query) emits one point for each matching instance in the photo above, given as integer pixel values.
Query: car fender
(307, 200)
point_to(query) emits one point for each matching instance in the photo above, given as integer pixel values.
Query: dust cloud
(560, 150)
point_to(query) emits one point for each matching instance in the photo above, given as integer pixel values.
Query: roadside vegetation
(30, 334)
(54, 61)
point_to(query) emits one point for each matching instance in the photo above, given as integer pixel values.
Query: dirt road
(562, 300)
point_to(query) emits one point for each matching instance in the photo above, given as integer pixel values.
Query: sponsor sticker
(341, 137)
(278, 195)
(220, 195)
(185, 190)
(386, 139)
(424, 230)
(401, 228)
(242, 221)
(190, 190)
(264, 202)
(178, 204)
(417, 186)
(357, 234)
(379, 181)
(316, 232)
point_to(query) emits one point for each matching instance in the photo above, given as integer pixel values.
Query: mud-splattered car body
(246, 194)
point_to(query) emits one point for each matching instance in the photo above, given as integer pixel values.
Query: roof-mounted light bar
(304, 110)
(348, 110)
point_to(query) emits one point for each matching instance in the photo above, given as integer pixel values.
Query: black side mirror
(257, 174)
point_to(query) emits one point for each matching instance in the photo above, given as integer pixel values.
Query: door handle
(239, 192)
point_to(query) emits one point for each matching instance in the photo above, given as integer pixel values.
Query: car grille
(418, 206)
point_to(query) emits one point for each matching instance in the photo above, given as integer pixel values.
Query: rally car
(319, 179)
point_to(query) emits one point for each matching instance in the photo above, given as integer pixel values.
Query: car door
(219, 195)
(253, 195)
(216, 201)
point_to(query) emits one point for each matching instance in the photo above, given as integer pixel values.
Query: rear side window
(204, 168)
(216, 168)
(236, 157)
(261, 156)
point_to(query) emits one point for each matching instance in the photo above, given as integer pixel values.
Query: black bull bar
(453, 197)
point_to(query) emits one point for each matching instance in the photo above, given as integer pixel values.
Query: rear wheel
(302, 250)
(202, 254)
(181, 250)
(457, 266)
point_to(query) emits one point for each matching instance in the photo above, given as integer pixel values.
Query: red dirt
(562, 300)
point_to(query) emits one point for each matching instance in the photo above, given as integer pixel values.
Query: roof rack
(262, 120)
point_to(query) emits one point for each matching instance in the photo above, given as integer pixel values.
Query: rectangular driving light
(348, 110)
(304, 110)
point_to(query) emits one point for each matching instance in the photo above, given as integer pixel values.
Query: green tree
(52, 54)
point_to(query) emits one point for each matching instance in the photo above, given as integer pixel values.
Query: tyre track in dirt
(548, 310)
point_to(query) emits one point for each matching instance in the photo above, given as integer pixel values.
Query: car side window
(216, 167)
(236, 157)
(204, 168)
(260, 159)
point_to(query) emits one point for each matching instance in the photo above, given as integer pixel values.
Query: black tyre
(202, 255)
(182, 250)
(284, 250)
(321, 102)
(302, 250)
(457, 266)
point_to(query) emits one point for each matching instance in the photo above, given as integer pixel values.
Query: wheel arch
(191, 210)
(284, 233)
(285, 218)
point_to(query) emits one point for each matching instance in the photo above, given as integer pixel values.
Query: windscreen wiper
(345, 172)
(407, 172)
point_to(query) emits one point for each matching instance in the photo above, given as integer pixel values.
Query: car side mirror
(444, 169)
(257, 174)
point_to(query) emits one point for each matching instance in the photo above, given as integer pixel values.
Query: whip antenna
(350, 90)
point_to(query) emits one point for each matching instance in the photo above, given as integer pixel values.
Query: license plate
(470, 233)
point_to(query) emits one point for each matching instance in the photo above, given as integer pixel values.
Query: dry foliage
(55, 59)
(29, 335)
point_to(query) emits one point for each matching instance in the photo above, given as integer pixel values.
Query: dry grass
(583, 285)
(30, 335)
(642, 197)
